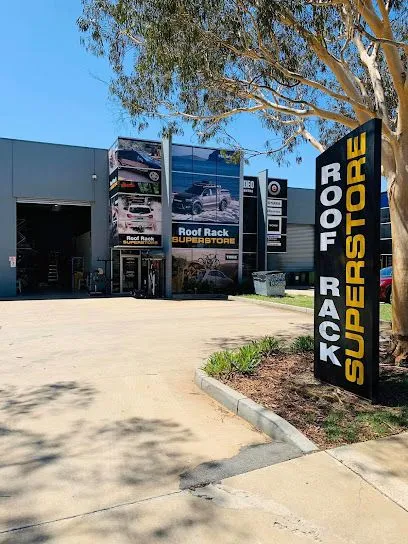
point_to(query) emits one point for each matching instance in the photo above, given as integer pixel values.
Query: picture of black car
(201, 197)
(140, 159)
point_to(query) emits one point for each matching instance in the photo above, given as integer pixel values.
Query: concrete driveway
(98, 409)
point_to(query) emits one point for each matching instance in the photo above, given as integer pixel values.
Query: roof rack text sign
(348, 181)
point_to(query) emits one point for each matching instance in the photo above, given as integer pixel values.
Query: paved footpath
(100, 422)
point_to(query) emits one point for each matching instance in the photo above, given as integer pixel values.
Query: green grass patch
(385, 312)
(343, 425)
(305, 301)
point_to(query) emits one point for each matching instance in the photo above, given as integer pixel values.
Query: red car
(386, 284)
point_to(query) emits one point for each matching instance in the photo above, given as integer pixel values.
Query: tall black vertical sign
(347, 257)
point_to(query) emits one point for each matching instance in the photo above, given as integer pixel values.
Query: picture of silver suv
(201, 197)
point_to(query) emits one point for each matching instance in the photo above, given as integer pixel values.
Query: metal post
(262, 219)
(166, 214)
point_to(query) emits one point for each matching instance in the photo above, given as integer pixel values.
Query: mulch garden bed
(284, 383)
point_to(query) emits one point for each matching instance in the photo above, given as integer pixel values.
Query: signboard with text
(276, 215)
(135, 193)
(347, 257)
(204, 235)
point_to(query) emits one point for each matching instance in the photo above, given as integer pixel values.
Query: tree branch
(371, 64)
(312, 140)
(382, 29)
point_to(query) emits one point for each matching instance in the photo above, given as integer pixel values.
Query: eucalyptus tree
(310, 70)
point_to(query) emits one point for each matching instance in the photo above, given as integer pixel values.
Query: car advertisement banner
(204, 271)
(276, 215)
(135, 166)
(348, 181)
(127, 181)
(205, 219)
(211, 199)
(203, 235)
(136, 220)
(204, 160)
(135, 193)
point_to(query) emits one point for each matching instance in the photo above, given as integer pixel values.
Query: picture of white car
(215, 278)
(139, 217)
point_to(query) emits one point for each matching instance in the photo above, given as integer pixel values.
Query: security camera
(94, 177)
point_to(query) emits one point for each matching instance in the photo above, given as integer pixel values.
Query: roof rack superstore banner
(135, 193)
(348, 181)
(205, 219)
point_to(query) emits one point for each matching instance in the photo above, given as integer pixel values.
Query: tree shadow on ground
(221, 342)
(393, 387)
(17, 402)
(82, 470)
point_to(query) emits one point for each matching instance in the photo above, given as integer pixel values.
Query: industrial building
(149, 217)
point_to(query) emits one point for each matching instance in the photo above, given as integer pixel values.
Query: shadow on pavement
(222, 342)
(17, 403)
(91, 474)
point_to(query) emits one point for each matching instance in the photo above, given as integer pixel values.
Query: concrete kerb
(287, 307)
(264, 420)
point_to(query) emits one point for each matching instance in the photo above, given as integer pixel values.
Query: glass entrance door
(152, 276)
(130, 274)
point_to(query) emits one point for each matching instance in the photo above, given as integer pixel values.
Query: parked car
(139, 217)
(140, 159)
(201, 197)
(386, 284)
(215, 278)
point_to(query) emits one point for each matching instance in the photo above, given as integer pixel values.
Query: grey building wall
(301, 206)
(100, 209)
(8, 220)
(40, 172)
(299, 256)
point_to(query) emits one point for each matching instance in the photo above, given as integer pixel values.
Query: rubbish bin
(269, 283)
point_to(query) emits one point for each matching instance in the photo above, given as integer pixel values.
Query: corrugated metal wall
(299, 256)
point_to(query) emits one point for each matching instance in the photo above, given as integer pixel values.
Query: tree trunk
(398, 201)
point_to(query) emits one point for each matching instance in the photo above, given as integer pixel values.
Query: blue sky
(53, 90)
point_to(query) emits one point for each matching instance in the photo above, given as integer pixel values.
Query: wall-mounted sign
(276, 215)
(277, 188)
(142, 240)
(136, 219)
(275, 225)
(250, 186)
(204, 235)
(348, 181)
(12, 261)
(135, 193)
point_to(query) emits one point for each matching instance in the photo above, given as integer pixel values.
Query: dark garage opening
(53, 247)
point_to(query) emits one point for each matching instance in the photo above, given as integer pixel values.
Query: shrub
(302, 344)
(247, 358)
(268, 345)
(244, 359)
(219, 363)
